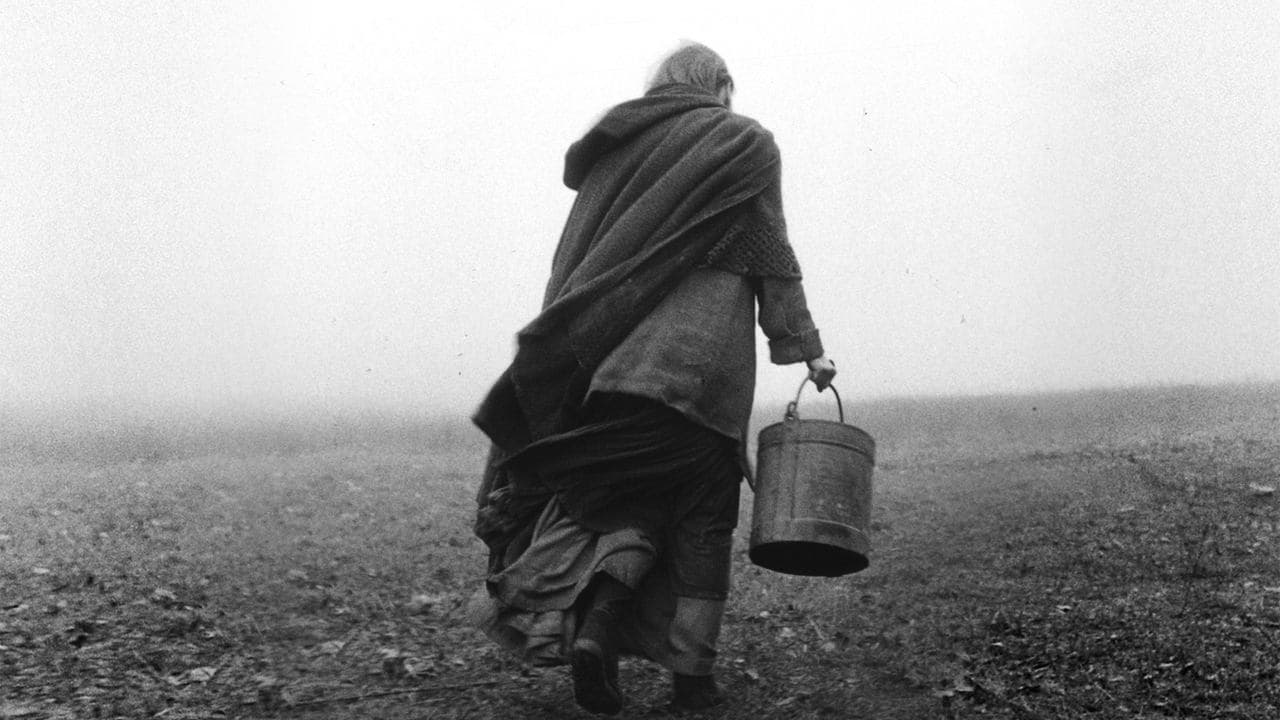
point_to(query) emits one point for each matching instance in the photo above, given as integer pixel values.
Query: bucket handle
(792, 414)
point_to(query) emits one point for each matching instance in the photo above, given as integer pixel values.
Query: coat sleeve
(785, 320)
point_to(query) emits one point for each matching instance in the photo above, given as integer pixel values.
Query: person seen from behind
(610, 496)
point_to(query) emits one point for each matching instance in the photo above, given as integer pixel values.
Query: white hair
(693, 64)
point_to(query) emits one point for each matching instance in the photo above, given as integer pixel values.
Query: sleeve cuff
(789, 349)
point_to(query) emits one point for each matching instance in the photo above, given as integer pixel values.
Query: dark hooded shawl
(659, 180)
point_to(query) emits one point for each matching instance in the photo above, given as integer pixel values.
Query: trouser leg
(701, 549)
(693, 635)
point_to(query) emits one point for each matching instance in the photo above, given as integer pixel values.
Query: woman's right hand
(822, 370)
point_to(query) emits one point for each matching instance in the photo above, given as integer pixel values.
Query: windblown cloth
(666, 183)
(644, 495)
(660, 179)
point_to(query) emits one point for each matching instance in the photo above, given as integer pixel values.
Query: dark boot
(695, 693)
(594, 656)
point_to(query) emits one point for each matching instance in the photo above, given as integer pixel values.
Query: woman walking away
(609, 499)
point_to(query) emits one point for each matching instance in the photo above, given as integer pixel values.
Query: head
(697, 65)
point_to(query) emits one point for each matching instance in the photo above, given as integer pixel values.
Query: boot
(695, 693)
(594, 656)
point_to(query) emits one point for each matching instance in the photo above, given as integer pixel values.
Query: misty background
(298, 205)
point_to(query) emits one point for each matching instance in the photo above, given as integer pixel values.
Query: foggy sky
(267, 204)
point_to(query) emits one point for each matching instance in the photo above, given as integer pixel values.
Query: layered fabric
(659, 181)
(755, 245)
(696, 352)
(644, 496)
(530, 610)
(617, 427)
(623, 467)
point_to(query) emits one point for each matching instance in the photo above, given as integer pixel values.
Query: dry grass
(1090, 555)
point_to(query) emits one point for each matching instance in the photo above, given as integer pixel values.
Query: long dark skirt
(645, 495)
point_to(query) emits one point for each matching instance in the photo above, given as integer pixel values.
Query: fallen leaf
(422, 603)
(331, 647)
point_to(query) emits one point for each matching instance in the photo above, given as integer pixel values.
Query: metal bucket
(812, 513)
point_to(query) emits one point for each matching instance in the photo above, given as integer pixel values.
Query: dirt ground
(1090, 555)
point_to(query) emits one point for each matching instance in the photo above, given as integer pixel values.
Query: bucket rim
(818, 421)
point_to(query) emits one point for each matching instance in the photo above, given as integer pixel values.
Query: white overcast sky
(262, 203)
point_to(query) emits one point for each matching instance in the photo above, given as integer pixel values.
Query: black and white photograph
(496, 360)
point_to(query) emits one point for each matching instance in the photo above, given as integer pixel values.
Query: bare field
(1109, 554)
